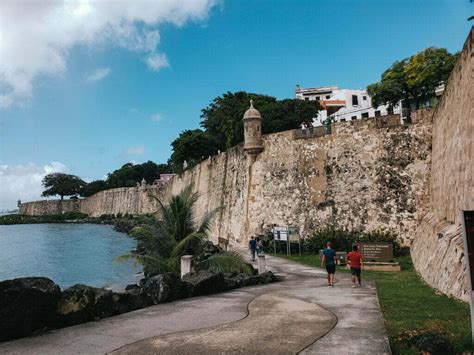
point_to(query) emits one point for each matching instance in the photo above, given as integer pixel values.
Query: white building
(341, 104)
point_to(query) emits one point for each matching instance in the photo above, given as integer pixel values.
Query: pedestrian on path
(252, 247)
(355, 261)
(329, 260)
(259, 247)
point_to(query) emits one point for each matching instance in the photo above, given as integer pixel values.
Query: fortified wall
(360, 177)
(438, 251)
(363, 175)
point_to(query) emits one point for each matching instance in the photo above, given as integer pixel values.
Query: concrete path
(191, 325)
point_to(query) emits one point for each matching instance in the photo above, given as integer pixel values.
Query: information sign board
(377, 251)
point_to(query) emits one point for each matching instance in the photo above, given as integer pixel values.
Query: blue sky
(104, 97)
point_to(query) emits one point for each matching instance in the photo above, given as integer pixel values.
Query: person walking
(252, 247)
(259, 246)
(356, 262)
(329, 260)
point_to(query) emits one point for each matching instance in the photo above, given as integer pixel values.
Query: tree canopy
(222, 119)
(129, 174)
(191, 145)
(414, 79)
(62, 185)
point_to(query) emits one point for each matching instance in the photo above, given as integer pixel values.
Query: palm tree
(173, 234)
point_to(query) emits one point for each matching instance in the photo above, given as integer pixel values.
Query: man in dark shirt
(329, 260)
(252, 247)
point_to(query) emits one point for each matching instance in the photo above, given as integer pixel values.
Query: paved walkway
(300, 314)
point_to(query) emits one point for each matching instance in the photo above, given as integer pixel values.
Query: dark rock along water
(67, 253)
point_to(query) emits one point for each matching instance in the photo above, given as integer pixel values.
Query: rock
(164, 288)
(26, 304)
(82, 303)
(130, 300)
(205, 282)
(267, 277)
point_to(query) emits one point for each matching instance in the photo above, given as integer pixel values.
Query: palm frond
(207, 219)
(187, 245)
(226, 262)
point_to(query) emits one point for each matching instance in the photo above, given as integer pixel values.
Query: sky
(87, 86)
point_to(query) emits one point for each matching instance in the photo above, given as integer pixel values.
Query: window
(317, 98)
(328, 97)
(364, 98)
(377, 113)
(353, 118)
(365, 115)
(306, 98)
(355, 100)
(343, 120)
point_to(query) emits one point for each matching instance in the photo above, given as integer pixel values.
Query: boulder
(205, 282)
(164, 288)
(26, 304)
(82, 303)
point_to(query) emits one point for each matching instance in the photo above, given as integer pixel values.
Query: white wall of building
(357, 104)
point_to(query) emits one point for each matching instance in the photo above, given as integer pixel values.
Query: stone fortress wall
(438, 251)
(365, 175)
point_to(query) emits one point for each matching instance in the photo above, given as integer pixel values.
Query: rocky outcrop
(164, 288)
(26, 305)
(82, 303)
(205, 282)
(35, 303)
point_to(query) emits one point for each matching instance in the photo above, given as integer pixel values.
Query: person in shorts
(355, 261)
(329, 260)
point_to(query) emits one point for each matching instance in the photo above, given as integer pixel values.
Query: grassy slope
(411, 307)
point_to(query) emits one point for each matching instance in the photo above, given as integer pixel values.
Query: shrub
(344, 240)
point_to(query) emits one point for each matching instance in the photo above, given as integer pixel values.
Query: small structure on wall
(252, 131)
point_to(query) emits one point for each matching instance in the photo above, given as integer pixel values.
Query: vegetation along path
(299, 314)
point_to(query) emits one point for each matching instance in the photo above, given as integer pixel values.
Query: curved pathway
(226, 316)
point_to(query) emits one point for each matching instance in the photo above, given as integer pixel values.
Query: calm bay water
(67, 254)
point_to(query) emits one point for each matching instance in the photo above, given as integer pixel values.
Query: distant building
(341, 104)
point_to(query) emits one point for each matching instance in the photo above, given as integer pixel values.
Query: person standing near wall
(355, 261)
(329, 260)
(252, 247)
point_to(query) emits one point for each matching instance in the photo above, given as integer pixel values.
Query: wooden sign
(377, 251)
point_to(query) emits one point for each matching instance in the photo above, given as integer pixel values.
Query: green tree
(173, 234)
(62, 185)
(222, 119)
(94, 187)
(413, 79)
(129, 174)
(192, 146)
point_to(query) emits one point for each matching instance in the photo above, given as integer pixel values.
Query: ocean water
(68, 254)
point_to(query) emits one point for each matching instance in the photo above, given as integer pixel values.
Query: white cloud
(97, 75)
(24, 182)
(157, 61)
(36, 36)
(156, 117)
(138, 150)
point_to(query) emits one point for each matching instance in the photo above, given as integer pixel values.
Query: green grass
(410, 307)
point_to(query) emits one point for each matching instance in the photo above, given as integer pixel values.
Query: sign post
(467, 225)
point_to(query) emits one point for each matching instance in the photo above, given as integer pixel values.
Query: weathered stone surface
(359, 177)
(241, 280)
(26, 304)
(438, 251)
(82, 303)
(164, 287)
(205, 282)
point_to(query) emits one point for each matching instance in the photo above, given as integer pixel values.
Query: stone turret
(253, 131)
